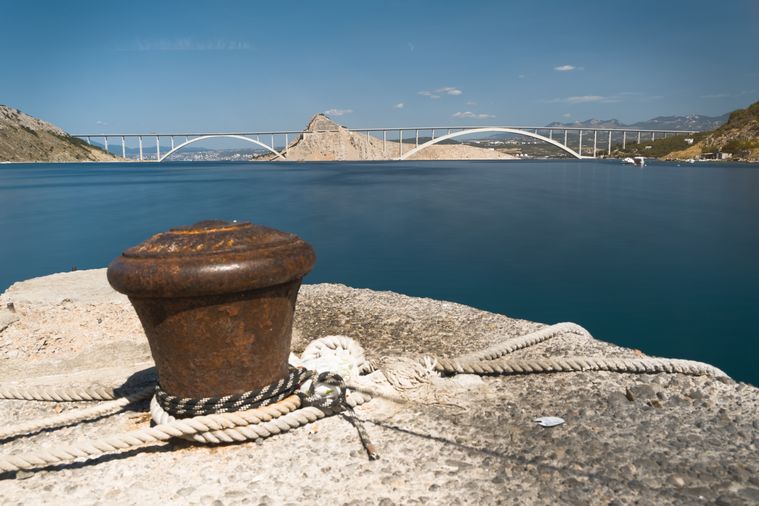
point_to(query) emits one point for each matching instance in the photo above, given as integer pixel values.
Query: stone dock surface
(628, 438)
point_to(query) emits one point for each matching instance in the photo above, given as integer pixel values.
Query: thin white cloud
(445, 90)
(715, 95)
(521, 76)
(399, 105)
(101, 123)
(566, 115)
(338, 112)
(449, 90)
(565, 68)
(189, 44)
(583, 99)
(471, 102)
(470, 114)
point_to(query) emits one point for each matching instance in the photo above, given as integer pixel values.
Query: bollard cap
(211, 258)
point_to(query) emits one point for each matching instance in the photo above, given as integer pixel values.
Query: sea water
(663, 258)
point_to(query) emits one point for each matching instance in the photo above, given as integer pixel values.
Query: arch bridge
(483, 130)
(219, 136)
(393, 139)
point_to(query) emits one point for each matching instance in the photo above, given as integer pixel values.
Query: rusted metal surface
(216, 300)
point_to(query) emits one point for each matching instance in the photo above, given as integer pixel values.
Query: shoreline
(514, 159)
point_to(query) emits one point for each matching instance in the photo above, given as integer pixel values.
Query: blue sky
(199, 66)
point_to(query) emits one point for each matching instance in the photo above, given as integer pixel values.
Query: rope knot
(335, 400)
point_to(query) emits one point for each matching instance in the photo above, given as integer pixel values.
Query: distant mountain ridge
(695, 122)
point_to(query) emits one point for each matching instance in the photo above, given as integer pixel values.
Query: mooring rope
(304, 407)
(578, 364)
(267, 421)
(77, 415)
(180, 407)
(56, 394)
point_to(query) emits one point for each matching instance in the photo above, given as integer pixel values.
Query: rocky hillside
(24, 138)
(326, 140)
(739, 138)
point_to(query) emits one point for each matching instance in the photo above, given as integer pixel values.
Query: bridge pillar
(609, 151)
(624, 139)
(417, 138)
(565, 136)
(550, 134)
(123, 147)
(400, 143)
(580, 150)
(433, 134)
(653, 136)
(157, 148)
(287, 141)
(638, 136)
(172, 142)
(105, 142)
(384, 141)
(88, 141)
(140, 139)
(595, 142)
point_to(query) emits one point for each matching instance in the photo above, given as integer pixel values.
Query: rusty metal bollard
(216, 300)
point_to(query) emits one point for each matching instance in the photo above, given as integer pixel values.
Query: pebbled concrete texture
(628, 439)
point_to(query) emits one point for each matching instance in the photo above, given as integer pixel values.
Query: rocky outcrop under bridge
(325, 140)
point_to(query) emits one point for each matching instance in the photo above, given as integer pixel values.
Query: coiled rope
(180, 407)
(297, 410)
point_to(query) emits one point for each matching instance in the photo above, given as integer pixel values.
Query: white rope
(328, 345)
(222, 428)
(577, 364)
(288, 413)
(69, 394)
(74, 416)
(531, 339)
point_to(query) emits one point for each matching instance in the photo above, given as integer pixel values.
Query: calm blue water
(664, 259)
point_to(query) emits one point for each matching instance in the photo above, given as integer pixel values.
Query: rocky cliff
(24, 138)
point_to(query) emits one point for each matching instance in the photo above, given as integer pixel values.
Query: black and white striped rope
(335, 401)
(181, 407)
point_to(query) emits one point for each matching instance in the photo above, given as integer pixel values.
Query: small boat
(635, 160)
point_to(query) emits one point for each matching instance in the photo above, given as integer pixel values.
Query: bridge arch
(490, 129)
(229, 136)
